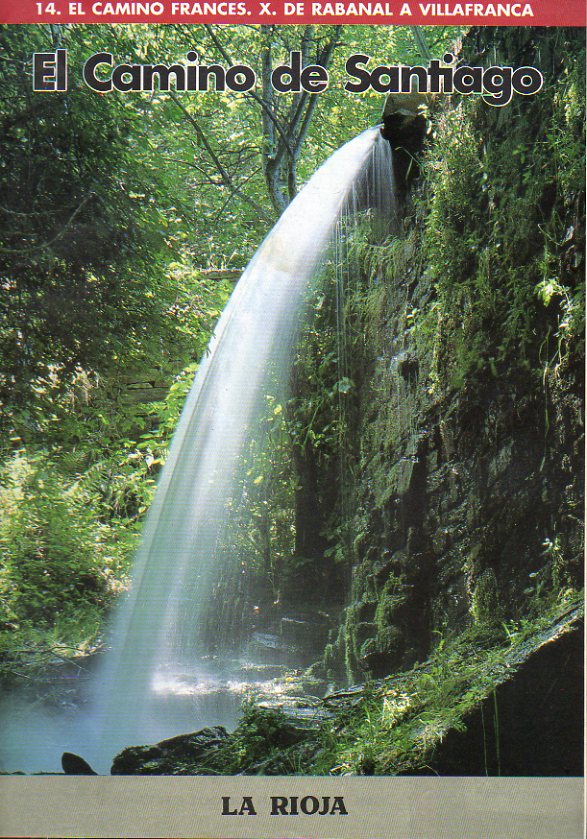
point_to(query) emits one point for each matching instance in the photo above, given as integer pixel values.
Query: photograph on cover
(291, 401)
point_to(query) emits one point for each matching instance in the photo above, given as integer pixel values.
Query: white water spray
(155, 649)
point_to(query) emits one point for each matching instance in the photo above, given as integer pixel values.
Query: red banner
(532, 13)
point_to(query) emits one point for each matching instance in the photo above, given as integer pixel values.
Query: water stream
(155, 682)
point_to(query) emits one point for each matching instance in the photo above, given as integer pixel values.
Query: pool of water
(39, 724)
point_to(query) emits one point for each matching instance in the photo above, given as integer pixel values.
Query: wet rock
(73, 764)
(307, 631)
(540, 714)
(365, 630)
(378, 664)
(408, 365)
(178, 755)
(366, 610)
(395, 565)
(255, 672)
(270, 648)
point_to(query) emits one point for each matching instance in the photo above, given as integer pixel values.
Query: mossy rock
(486, 607)
(178, 755)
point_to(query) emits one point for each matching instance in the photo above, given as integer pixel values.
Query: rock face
(469, 460)
(465, 518)
(531, 725)
(73, 764)
(263, 743)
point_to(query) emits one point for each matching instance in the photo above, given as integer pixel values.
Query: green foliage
(266, 509)
(388, 600)
(394, 725)
(260, 733)
(263, 737)
(51, 547)
(58, 566)
(485, 606)
(559, 565)
(78, 242)
(111, 209)
(502, 237)
(71, 513)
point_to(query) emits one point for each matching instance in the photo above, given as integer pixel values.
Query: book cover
(291, 407)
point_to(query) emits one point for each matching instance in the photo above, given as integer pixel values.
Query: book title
(101, 73)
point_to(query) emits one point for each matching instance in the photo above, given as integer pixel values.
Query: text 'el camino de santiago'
(496, 84)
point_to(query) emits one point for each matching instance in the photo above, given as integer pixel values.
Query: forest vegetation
(124, 220)
(114, 211)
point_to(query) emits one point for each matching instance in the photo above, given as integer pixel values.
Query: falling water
(155, 639)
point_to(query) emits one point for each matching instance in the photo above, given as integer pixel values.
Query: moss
(486, 607)
(389, 640)
(494, 207)
(390, 599)
(368, 647)
(560, 565)
(351, 653)
(332, 661)
(482, 285)
(398, 721)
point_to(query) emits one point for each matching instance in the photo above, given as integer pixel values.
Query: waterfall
(156, 652)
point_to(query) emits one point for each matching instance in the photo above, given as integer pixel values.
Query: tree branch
(57, 236)
(421, 42)
(223, 172)
(250, 94)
